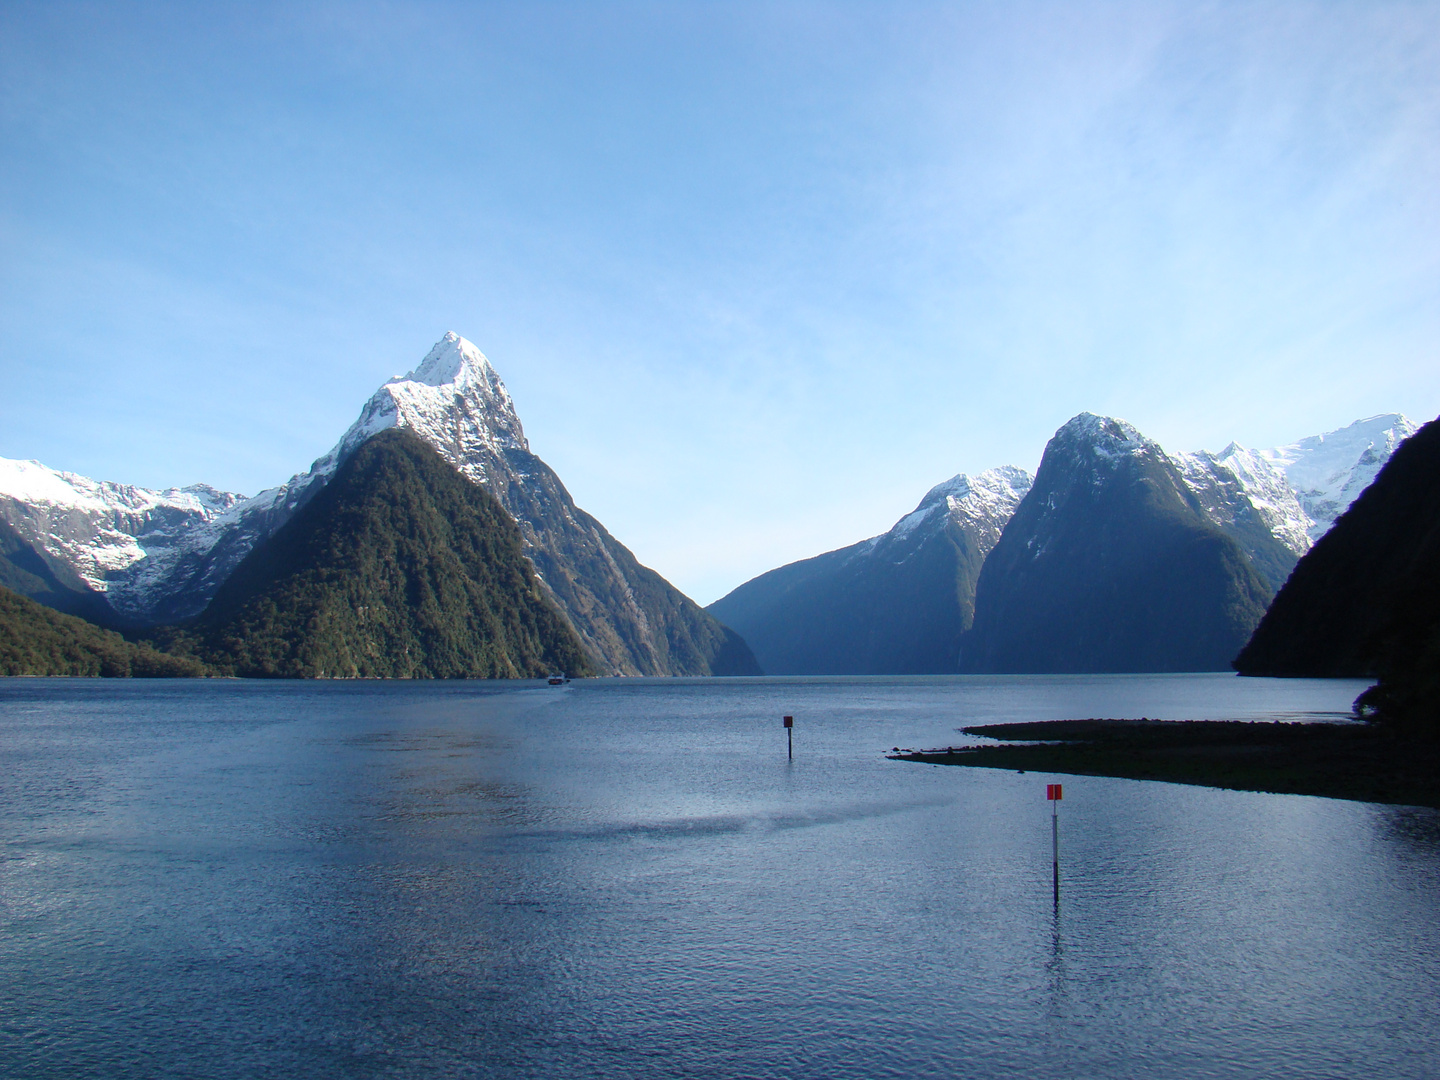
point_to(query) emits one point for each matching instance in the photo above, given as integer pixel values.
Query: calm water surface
(627, 878)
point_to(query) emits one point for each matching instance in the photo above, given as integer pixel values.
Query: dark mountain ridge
(1365, 600)
(1110, 564)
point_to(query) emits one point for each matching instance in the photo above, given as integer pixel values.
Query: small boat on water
(558, 679)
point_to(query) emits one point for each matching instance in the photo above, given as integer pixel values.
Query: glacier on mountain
(94, 534)
(1298, 490)
(1328, 472)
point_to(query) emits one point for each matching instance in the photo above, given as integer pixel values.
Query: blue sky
(757, 275)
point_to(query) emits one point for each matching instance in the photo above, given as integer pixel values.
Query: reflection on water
(629, 878)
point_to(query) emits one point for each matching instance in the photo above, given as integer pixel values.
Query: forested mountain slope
(399, 567)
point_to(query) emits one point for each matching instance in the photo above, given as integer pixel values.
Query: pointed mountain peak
(957, 487)
(452, 360)
(984, 502)
(454, 400)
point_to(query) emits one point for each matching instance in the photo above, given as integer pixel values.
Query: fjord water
(628, 878)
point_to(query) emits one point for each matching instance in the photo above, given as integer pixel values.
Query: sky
(757, 275)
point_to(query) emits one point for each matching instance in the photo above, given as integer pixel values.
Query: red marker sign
(1052, 792)
(789, 721)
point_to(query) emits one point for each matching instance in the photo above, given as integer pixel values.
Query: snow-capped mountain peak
(1089, 450)
(454, 400)
(1105, 437)
(1328, 472)
(1238, 484)
(1106, 432)
(1298, 490)
(452, 360)
(149, 549)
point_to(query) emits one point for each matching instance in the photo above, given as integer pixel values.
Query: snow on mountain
(1328, 472)
(1093, 448)
(897, 603)
(1107, 439)
(93, 531)
(1111, 563)
(156, 566)
(1296, 491)
(454, 400)
(981, 504)
(160, 555)
(1236, 484)
(630, 619)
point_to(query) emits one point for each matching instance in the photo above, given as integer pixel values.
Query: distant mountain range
(132, 558)
(1116, 557)
(461, 553)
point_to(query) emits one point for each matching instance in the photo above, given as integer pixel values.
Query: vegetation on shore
(37, 640)
(1364, 762)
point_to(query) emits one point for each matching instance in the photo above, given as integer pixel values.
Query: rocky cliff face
(1111, 563)
(897, 603)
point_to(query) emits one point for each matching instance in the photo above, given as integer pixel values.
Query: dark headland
(1364, 762)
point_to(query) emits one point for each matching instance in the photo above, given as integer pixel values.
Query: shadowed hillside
(1111, 564)
(1365, 600)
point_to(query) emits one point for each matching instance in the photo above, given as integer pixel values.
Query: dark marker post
(790, 738)
(1053, 793)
